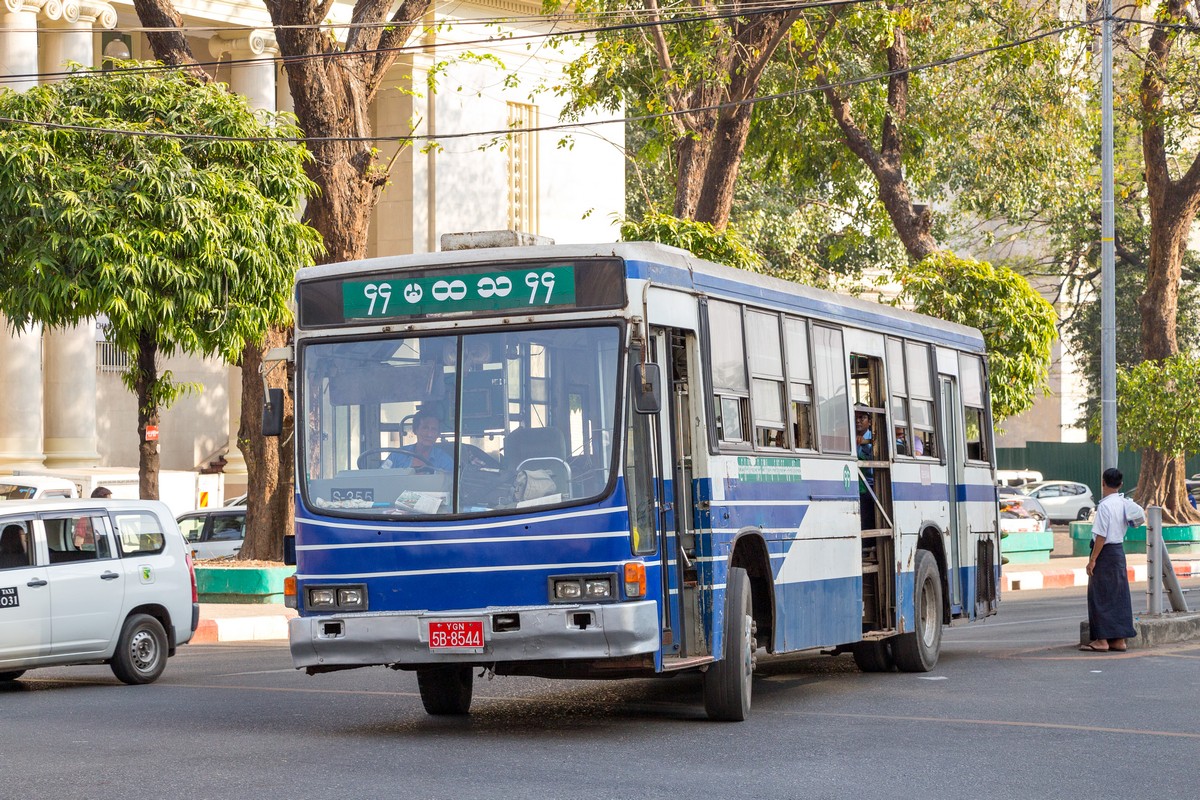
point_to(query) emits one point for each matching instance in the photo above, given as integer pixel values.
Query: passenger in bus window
(426, 453)
(863, 435)
(901, 441)
(919, 443)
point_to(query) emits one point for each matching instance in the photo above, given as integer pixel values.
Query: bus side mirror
(272, 417)
(647, 388)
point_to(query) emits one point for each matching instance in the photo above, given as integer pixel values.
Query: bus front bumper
(509, 634)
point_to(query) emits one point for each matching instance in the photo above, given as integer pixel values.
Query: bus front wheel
(727, 682)
(445, 690)
(918, 651)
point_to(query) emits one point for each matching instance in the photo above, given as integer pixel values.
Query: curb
(1067, 578)
(241, 629)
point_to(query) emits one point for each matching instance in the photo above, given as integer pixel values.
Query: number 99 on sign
(377, 291)
(535, 281)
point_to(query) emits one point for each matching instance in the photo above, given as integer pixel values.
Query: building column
(71, 36)
(21, 400)
(19, 42)
(20, 355)
(252, 75)
(69, 371)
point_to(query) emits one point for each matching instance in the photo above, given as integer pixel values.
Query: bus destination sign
(511, 290)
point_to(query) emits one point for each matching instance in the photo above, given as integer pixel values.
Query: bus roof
(671, 266)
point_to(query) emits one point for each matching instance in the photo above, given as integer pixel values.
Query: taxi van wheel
(6, 677)
(445, 691)
(141, 653)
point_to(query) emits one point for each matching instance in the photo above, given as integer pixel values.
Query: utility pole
(1108, 281)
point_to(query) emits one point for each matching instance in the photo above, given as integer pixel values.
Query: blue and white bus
(620, 460)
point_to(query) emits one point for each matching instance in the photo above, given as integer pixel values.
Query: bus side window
(731, 403)
(799, 373)
(918, 371)
(764, 350)
(833, 420)
(970, 370)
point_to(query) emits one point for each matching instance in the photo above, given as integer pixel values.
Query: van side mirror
(647, 388)
(272, 416)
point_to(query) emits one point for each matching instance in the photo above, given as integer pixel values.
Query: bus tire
(445, 691)
(6, 677)
(141, 654)
(918, 651)
(727, 683)
(873, 656)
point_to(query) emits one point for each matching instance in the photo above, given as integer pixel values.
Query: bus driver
(426, 453)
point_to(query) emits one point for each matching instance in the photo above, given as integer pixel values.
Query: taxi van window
(76, 539)
(16, 545)
(138, 533)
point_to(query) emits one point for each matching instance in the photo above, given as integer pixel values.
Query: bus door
(675, 350)
(956, 477)
(874, 445)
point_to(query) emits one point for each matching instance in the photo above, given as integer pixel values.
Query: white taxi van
(93, 582)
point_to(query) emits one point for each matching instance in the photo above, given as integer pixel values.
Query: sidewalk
(242, 622)
(233, 622)
(1062, 573)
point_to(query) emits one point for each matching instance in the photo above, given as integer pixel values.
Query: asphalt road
(1011, 711)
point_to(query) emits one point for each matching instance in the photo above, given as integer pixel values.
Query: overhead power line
(757, 9)
(563, 126)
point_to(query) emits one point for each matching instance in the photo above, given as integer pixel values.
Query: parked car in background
(214, 532)
(1064, 501)
(35, 487)
(1017, 477)
(93, 581)
(1021, 513)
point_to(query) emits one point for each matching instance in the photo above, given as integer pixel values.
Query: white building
(74, 412)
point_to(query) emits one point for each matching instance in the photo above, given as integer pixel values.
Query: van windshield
(458, 424)
(13, 491)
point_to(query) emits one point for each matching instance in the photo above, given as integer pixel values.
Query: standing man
(1110, 611)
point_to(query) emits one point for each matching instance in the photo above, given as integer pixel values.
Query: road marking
(1001, 723)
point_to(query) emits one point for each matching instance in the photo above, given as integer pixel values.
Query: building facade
(494, 66)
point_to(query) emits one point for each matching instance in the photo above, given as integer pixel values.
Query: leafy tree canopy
(1017, 323)
(106, 207)
(1159, 407)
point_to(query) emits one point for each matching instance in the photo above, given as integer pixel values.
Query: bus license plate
(464, 636)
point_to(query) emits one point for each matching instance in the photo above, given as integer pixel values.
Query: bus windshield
(439, 425)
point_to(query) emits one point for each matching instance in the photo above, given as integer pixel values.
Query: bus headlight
(597, 589)
(336, 598)
(568, 590)
(572, 589)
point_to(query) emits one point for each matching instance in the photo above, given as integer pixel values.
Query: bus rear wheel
(727, 683)
(873, 656)
(445, 690)
(918, 651)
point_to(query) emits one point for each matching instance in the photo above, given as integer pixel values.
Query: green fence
(1074, 461)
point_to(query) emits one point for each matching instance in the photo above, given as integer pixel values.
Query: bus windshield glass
(471, 423)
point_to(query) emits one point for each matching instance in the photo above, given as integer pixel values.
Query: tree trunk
(1173, 208)
(886, 161)
(145, 385)
(268, 460)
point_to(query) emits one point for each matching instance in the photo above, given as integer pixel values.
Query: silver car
(1064, 501)
(214, 533)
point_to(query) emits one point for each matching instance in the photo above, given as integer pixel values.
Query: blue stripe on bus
(788, 490)
(820, 613)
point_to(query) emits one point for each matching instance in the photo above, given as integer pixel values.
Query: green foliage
(1017, 323)
(701, 239)
(191, 243)
(1159, 407)
(1081, 330)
